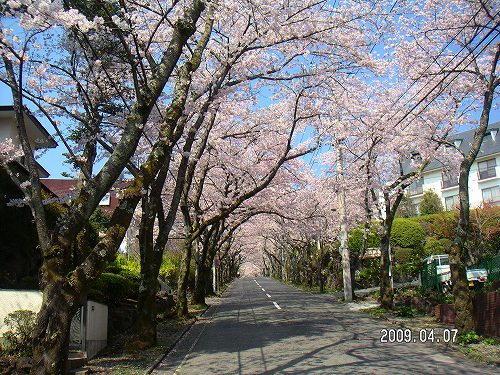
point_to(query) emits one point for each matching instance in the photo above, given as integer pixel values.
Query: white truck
(475, 276)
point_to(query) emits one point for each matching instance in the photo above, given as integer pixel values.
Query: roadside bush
(406, 311)
(17, 340)
(418, 298)
(128, 268)
(436, 246)
(169, 270)
(406, 233)
(355, 241)
(467, 338)
(406, 264)
(111, 288)
(369, 275)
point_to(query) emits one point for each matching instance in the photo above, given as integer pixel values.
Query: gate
(77, 331)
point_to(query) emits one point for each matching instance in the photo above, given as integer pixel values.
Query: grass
(375, 312)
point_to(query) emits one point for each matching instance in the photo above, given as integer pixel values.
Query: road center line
(263, 289)
(268, 295)
(277, 306)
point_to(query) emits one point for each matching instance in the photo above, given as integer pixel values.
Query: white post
(214, 276)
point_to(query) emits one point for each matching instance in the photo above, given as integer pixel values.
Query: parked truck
(475, 276)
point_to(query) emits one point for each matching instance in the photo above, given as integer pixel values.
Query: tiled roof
(488, 147)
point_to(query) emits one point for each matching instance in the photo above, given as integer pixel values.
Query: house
(484, 177)
(18, 245)
(38, 136)
(63, 188)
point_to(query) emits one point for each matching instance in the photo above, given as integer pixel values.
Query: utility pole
(343, 249)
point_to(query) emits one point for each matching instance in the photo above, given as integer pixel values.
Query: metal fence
(429, 277)
(492, 265)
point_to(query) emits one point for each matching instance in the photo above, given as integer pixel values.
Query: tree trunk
(182, 302)
(386, 291)
(458, 252)
(146, 308)
(201, 286)
(146, 315)
(51, 333)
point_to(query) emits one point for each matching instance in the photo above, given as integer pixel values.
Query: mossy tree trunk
(386, 286)
(458, 252)
(182, 285)
(51, 332)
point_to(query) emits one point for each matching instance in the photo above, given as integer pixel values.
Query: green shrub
(17, 340)
(431, 203)
(407, 263)
(490, 341)
(467, 338)
(128, 268)
(112, 288)
(407, 233)
(355, 241)
(406, 311)
(377, 312)
(403, 255)
(436, 246)
(442, 225)
(448, 298)
(169, 270)
(369, 275)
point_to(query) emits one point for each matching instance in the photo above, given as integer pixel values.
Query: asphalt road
(261, 326)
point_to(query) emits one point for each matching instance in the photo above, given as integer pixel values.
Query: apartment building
(484, 177)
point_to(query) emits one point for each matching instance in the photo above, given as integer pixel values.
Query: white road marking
(263, 289)
(277, 306)
(268, 295)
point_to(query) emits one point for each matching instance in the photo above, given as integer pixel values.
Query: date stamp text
(400, 335)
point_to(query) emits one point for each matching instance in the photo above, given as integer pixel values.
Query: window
(416, 187)
(106, 200)
(487, 169)
(491, 195)
(449, 180)
(451, 203)
(415, 156)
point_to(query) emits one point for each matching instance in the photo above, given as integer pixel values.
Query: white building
(484, 177)
(38, 136)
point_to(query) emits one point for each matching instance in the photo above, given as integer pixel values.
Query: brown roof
(63, 187)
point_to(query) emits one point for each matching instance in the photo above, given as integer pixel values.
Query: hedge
(111, 288)
(406, 233)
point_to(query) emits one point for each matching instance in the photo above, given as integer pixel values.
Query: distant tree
(431, 203)
(406, 208)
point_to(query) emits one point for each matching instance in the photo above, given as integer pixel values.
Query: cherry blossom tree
(460, 52)
(237, 61)
(95, 90)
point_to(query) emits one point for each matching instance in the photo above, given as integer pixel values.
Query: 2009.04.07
(399, 335)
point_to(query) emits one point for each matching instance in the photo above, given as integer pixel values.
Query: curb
(184, 332)
(169, 349)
